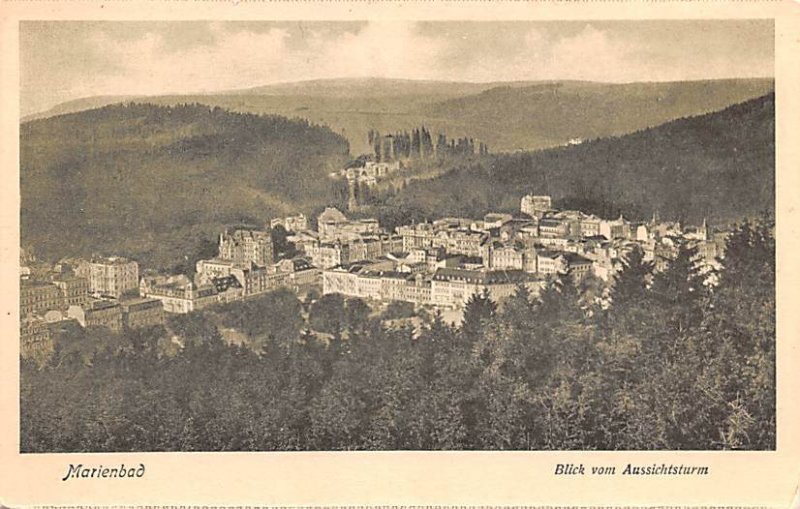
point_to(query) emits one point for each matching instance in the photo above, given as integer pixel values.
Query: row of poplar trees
(419, 145)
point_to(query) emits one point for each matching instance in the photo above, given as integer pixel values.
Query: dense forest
(156, 183)
(662, 362)
(719, 166)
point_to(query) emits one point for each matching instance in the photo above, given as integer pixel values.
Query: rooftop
(484, 277)
(241, 234)
(97, 305)
(111, 260)
(34, 283)
(301, 264)
(575, 258)
(223, 283)
(140, 303)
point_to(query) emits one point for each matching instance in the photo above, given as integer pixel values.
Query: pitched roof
(576, 259)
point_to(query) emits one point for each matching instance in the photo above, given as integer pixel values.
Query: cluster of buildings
(439, 264)
(99, 292)
(339, 240)
(244, 268)
(444, 262)
(369, 173)
(110, 292)
(365, 173)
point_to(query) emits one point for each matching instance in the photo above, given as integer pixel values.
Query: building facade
(111, 277)
(36, 342)
(452, 288)
(98, 313)
(535, 205)
(178, 294)
(142, 312)
(246, 247)
(74, 290)
(38, 297)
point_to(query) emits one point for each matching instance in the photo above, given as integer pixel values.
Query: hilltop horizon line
(273, 89)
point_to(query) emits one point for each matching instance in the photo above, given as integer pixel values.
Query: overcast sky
(62, 60)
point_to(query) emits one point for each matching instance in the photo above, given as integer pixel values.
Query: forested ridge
(670, 364)
(719, 166)
(507, 115)
(156, 183)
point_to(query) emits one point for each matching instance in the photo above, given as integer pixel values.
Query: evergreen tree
(441, 146)
(478, 310)
(377, 146)
(388, 148)
(679, 291)
(630, 284)
(426, 143)
(416, 145)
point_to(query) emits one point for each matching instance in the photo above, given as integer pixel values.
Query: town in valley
(435, 266)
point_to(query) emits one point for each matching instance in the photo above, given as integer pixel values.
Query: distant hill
(332, 89)
(508, 116)
(156, 183)
(547, 115)
(82, 104)
(374, 87)
(719, 165)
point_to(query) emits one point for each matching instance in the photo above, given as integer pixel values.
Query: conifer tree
(478, 310)
(630, 284)
(441, 146)
(415, 143)
(377, 145)
(679, 291)
(426, 143)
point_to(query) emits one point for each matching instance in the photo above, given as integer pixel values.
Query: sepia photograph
(397, 235)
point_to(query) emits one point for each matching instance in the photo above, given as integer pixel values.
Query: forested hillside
(720, 165)
(156, 182)
(549, 114)
(508, 116)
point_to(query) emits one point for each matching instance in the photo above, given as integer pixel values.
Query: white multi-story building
(112, 277)
(452, 288)
(550, 262)
(618, 228)
(333, 225)
(506, 257)
(590, 226)
(535, 205)
(177, 293)
(246, 247)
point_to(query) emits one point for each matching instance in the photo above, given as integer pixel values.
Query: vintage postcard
(400, 253)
